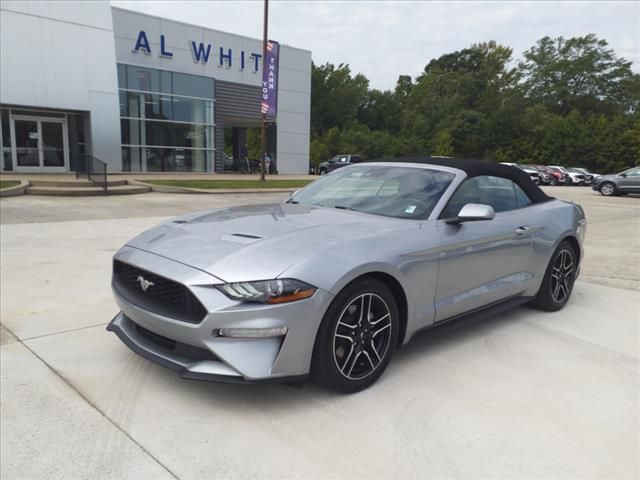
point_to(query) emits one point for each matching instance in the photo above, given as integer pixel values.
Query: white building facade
(141, 93)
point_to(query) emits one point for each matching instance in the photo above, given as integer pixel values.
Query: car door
(631, 181)
(483, 262)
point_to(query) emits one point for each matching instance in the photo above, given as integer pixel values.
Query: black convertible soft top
(474, 168)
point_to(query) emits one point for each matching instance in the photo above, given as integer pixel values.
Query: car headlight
(268, 291)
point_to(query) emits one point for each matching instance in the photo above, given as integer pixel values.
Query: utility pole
(263, 133)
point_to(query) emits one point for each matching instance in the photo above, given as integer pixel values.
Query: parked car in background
(559, 176)
(533, 173)
(227, 161)
(587, 174)
(573, 178)
(545, 175)
(588, 178)
(337, 162)
(619, 184)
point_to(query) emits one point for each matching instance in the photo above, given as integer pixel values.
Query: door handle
(522, 230)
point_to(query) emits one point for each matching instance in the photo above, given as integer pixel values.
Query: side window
(502, 194)
(521, 197)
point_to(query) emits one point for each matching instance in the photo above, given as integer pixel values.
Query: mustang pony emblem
(144, 284)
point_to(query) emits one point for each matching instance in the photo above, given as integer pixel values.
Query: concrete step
(80, 183)
(86, 191)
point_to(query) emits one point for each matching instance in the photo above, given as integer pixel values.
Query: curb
(210, 191)
(15, 190)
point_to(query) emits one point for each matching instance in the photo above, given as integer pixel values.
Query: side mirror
(623, 175)
(473, 212)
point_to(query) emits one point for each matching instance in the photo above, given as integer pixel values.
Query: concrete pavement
(525, 394)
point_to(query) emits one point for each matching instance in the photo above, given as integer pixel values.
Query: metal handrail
(94, 170)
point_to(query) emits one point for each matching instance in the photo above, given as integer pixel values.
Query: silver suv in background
(619, 184)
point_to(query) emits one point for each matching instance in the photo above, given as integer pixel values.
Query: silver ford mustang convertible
(330, 282)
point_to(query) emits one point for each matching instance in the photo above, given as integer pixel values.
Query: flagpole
(263, 137)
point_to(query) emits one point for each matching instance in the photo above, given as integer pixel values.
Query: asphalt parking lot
(525, 394)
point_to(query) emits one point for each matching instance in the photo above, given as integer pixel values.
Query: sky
(385, 39)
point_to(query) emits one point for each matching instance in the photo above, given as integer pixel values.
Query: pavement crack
(95, 407)
(53, 334)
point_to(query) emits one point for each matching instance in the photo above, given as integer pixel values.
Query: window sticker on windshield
(410, 209)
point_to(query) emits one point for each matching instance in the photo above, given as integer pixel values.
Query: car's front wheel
(608, 189)
(357, 337)
(558, 280)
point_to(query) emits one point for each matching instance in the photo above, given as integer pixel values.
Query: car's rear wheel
(323, 171)
(608, 189)
(559, 278)
(357, 337)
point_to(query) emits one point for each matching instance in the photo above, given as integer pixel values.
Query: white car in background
(574, 177)
(587, 173)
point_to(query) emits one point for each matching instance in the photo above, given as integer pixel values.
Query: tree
(443, 144)
(578, 73)
(336, 96)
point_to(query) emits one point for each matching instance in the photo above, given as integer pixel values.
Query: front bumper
(190, 362)
(197, 351)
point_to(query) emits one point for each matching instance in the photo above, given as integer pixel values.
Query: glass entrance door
(40, 144)
(27, 141)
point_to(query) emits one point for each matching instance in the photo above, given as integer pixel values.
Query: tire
(608, 189)
(323, 171)
(558, 281)
(339, 362)
(553, 182)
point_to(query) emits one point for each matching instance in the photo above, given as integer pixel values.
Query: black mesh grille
(171, 346)
(164, 297)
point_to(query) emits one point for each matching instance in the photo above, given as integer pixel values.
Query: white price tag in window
(410, 209)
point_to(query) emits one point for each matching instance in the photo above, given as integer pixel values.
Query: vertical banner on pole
(270, 80)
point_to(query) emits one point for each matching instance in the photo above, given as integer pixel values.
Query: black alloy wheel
(357, 336)
(559, 278)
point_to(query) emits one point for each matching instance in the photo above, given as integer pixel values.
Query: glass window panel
(190, 110)
(130, 132)
(122, 76)
(140, 78)
(192, 85)
(52, 144)
(157, 106)
(132, 159)
(124, 105)
(194, 136)
(6, 132)
(160, 159)
(133, 107)
(5, 152)
(7, 160)
(165, 82)
(158, 133)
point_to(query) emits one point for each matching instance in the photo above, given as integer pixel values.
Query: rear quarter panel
(553, 222)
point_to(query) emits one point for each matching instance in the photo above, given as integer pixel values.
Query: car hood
(258, 242)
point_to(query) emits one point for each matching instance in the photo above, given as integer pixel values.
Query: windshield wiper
(342, 207)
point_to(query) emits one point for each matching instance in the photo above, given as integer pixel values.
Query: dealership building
(141, 93)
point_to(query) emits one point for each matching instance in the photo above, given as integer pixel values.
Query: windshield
(400, 192)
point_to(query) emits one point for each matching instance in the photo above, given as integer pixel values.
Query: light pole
(263, 136)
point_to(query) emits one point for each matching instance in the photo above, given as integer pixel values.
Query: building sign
(270, 80)
(202, 53)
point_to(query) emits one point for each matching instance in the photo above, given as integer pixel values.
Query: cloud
(384, 39)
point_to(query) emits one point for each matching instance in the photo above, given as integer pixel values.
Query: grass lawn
(210, 184)
(8, 183)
